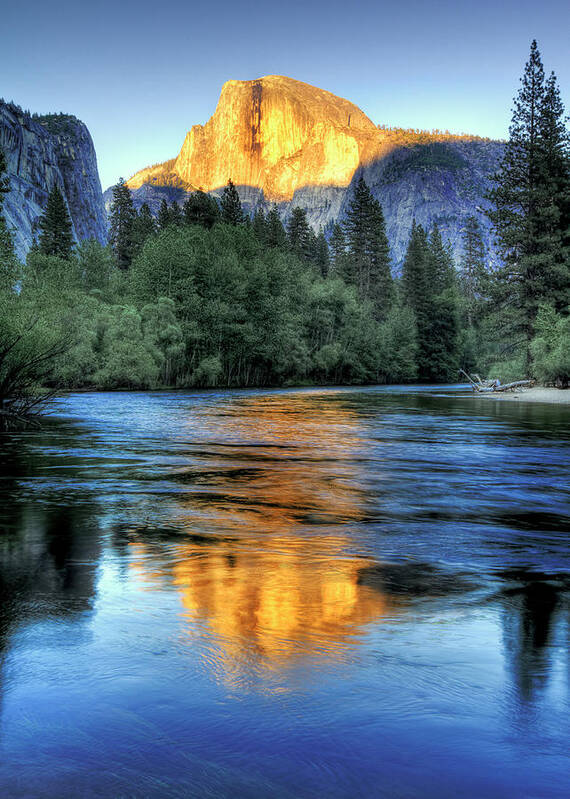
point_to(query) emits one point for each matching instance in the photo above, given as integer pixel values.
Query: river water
(299, 593)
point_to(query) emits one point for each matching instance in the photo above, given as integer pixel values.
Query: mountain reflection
(262, 611)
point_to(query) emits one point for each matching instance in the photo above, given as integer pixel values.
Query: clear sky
(141, 73)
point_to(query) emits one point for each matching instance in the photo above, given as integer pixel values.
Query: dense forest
(206, 295)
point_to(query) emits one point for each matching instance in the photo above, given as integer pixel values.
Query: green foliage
(8, 264)
(423, 157)
(122, 219)
(429, 289)
(230, 205)
(275, 235)
(367, 263)
(300, 236)
(550, 347)
(56, 237)
(200, 209)
(531, 207)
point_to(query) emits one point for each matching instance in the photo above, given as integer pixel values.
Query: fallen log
(516, 384)
(494, 385)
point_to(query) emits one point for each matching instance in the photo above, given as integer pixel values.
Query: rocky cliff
(43, 151)
(282, 141)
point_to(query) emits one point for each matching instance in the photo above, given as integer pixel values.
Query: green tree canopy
(56, 237)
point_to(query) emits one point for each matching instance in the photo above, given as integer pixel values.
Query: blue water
(299, 593)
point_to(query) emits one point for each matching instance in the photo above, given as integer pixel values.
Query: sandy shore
(554, 396)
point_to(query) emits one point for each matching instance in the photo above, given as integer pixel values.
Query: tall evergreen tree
(473, 270)
(428, 289)
(175, 212)
(56, 236)
(144, 225)
(275, 232)
(122, 223)
(300, 235)
(5, 236)
(8, 263)
(368, 262)
(443, 322)
(201, 209)
(230, 204)
(322, 254)
(163, 218)
(259, 225)
(530, 199)
(338, 250)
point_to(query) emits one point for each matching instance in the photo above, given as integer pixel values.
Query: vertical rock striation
(41, 152)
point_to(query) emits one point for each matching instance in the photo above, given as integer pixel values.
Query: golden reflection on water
(269, 583)
(261, 612)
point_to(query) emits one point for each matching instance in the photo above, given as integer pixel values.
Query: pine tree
(175, 213)
(300, 235)
(230, 203)
(530, 212)
(6, 250)
(259, 225)
(355, 231)
(442, 345)
(322, 255)
(381, 289)
(473, 270)
(8, 263)
(368, 261)
(201, 209)
(163, 218)
(122, 221)
(555, 168)
(144, 225)
(338, 250)
(56, 237)
(275, 232)
(416, 292)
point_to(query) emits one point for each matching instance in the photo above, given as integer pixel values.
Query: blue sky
(140, 74)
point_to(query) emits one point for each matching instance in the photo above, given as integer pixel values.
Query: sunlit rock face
(274, 134)
(282, 141)
(41, 152)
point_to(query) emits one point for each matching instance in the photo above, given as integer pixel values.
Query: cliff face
(282, 141)
(41, 152)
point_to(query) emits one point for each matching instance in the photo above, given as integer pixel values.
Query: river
(286, 593)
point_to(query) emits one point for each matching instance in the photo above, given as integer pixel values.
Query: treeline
(205, 295)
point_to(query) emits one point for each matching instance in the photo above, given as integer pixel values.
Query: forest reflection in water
(319, 546)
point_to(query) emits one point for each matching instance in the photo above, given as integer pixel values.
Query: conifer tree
(368, 262)
(441, 362)
(322, 254)
(473, 270)
(175, 214)
(381, 290)
(5, 237)
(56, 236)
(163, 218)
(8, 262)
(144, 225)
(275, 232)
(201, 209)
(300, 235)
(417, 293)
(259, 225)
(230, 204)
(338, 250)
(122, 222)
(530, 213)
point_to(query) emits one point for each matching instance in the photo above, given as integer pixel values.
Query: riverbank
(552, 396)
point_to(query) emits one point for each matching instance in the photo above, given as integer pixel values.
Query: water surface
(298, 593)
